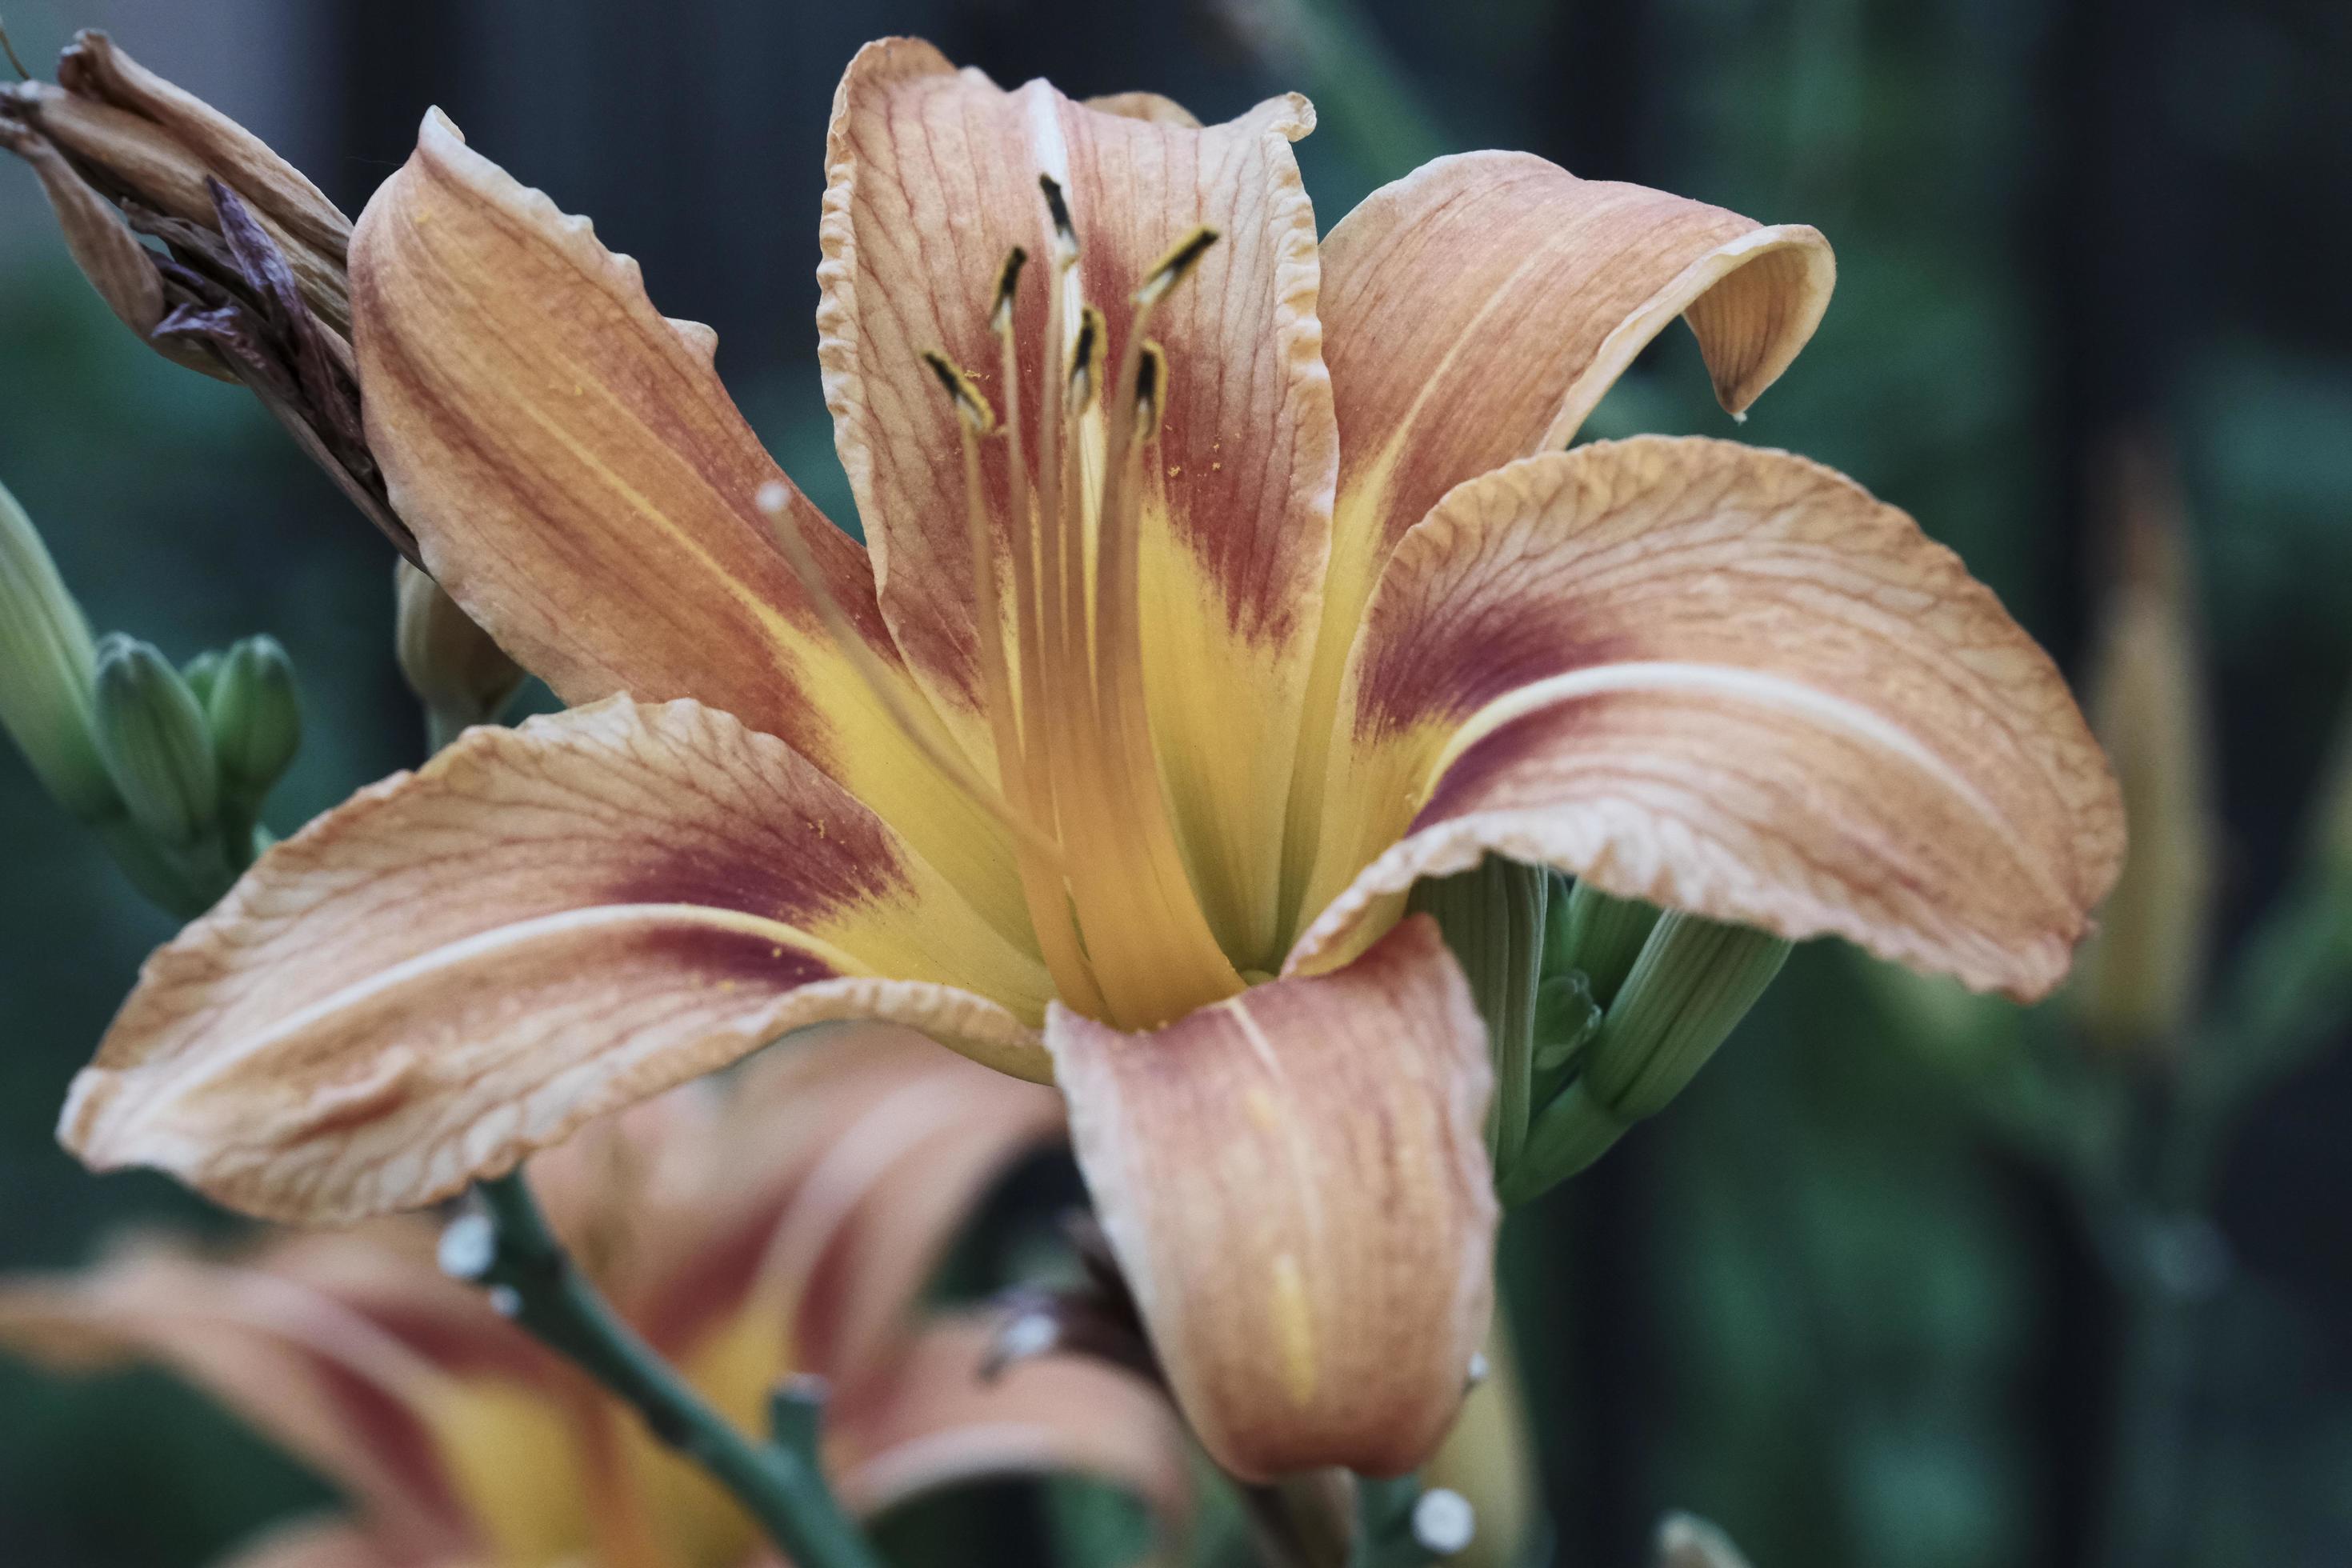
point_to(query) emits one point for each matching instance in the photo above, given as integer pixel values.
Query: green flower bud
(1694, 979)
(456, 671)
(1601, 936)
(255, 716)
(201, 671)
(152, 735)
(46, 662)
(1493, 918)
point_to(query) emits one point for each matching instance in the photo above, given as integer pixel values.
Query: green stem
(780, 1483)
(2157, 1220)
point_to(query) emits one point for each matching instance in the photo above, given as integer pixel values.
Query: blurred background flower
(1842, 1299)
(783, 1224)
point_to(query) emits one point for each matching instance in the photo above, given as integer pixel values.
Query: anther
(1065, 233)
(1008, 283)
(1171, 269)
(1150, 386)
(1087, 359)
(971, 406)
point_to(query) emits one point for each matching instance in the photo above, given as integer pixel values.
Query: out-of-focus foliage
(1840, 1299)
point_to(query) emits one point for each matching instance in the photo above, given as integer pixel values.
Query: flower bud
(2137, 983)
(1493, 918)
(253, 281)
(255, 716)
(1601, 936)
(202, 672)
(93, 68)
(153, 735)
(46, 662)
(451, 664)
(1694, 979)
(153, 145)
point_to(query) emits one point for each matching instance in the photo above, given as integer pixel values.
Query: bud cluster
(168, 766)
(1598, 1009)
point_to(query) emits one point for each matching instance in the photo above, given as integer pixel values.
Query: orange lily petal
(463, 964)
(934, 179)
(870, 1225)
(1148, 106)
(940, 1423)
(829, 1183)
(320, 1379)
(1725, 680)
(1475, 310)
(580, 482)
(1295, 1183)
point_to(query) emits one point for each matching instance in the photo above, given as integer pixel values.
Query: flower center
(1077, 777)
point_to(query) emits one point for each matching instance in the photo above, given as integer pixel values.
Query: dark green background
(1821, 1300)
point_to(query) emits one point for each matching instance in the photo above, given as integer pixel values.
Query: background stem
(781, 1483)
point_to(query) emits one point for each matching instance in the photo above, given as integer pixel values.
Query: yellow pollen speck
(777, 950)
(1294, 1329)
(726, 987)
(1174, 469)
(1262, 1108)
(1216, 467)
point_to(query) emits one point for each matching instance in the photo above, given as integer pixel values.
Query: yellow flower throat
(1077, 784)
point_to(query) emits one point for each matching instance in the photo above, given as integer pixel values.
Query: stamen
(1151, 382)
(1008, 284)
(1086, 361)
(970, 407)
(1041, 879)
(1065, 234)
(1171, 269)
(1153, 946)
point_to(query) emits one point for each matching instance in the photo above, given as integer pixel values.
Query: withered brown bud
(251, 282)
(91, 67)
(152, 149)
(460, 676)
(121, 270)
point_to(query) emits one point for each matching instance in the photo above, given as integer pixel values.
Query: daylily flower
(785, 1224)
(1223, 584)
